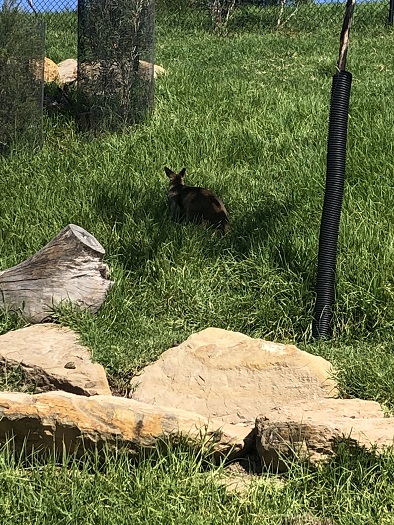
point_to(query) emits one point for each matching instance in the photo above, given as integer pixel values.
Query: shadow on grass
(258, 227)
(60, 100)
(143, 224)
(270, 227)
(139, 217)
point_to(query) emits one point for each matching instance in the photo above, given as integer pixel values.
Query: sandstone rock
(228, 375)
(52, 358)
(312, 430)
(145, 69)
(158, 70)
(51, 71)
(78, 423)
(68, 70)
(326, 410)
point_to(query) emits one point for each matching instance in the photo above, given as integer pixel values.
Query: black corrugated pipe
(329, 227)
(391, 13)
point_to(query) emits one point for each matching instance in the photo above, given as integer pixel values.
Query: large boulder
(75, 423)
(233, 377)
(52, 358)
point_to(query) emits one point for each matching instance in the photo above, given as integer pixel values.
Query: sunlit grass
(175, 485)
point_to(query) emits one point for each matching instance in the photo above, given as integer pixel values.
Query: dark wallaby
(195, 204)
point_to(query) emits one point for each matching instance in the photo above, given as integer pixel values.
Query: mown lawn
(247, 115)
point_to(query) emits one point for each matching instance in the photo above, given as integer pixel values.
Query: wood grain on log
(67, 269)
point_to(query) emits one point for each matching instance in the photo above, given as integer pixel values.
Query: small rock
(233, 377)
(145, 69)
(68, 70)
(43, 354)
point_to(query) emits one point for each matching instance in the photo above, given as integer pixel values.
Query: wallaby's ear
(182, 172)
(168, 171)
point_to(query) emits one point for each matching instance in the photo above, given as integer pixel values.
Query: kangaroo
(195, 204)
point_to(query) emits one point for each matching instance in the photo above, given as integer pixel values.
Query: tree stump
(68, 269)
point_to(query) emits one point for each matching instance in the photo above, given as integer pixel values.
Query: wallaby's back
(194, 203)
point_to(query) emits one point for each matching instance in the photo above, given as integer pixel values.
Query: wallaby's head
(175, 178)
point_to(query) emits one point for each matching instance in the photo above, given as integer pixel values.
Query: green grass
(61, 36)
(176, 486)
(247, 115)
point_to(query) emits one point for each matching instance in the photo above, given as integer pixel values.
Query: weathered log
(68, 269)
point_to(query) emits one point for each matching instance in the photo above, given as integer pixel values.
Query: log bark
(68, 269)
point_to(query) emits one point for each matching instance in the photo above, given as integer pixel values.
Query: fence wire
(116, 48)
(115, 62)
(22, 44)
(244, 14)
(303, 15)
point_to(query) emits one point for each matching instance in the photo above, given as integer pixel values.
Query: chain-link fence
(303, 15)
(47, 6)
(22, 44)
(231, 14)
(115, 62)
(116, 48)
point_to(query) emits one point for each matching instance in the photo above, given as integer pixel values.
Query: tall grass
(179, 487)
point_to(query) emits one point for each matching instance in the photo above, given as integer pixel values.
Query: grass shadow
(258, 225)
(60, 100)
(137, 217)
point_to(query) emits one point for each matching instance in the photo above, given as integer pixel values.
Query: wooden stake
(32, 7)
(344, 40)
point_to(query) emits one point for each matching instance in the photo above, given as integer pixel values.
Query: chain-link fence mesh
(115, 62)
(116, 48)
(46, 6)
(303, 15)
(22, 44)
(245, 13)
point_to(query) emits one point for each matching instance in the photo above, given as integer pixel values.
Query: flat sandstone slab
(76, 423)
(51, 358)
(233, 377)
(312, 430)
